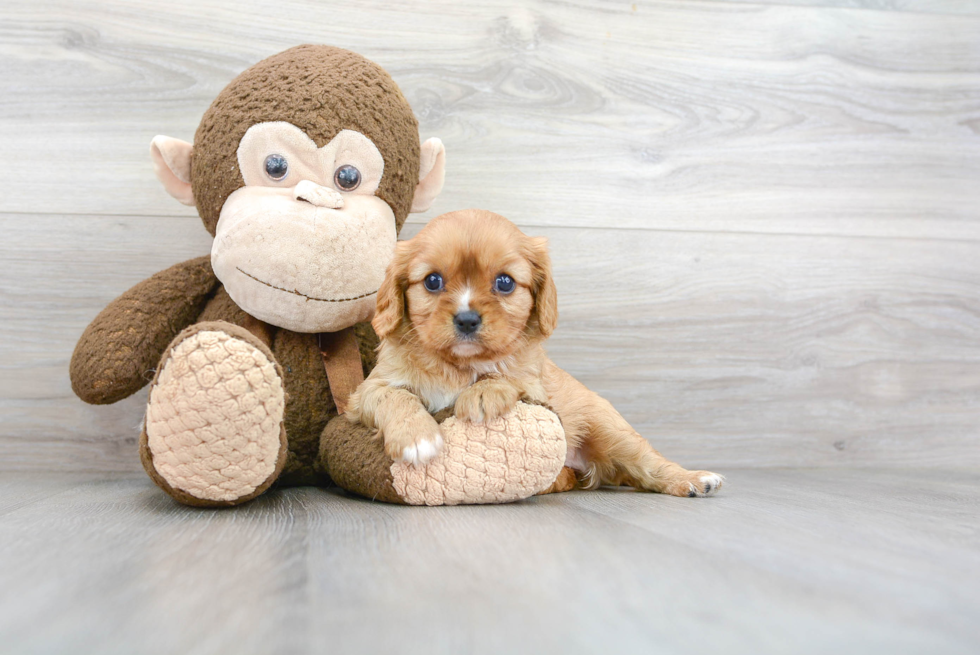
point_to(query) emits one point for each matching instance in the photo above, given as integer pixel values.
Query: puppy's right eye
(432, 282)
(504, 284)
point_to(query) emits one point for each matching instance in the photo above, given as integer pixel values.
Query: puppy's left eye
(432, 282)
(504, 284)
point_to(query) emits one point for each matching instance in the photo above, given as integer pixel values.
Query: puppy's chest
(438, 394)
(436, 399)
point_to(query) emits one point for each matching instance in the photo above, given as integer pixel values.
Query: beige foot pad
(214, 432)
(507, 459)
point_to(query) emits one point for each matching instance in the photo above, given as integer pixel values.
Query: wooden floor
(782, 561)
(764, 216)
(765, 226)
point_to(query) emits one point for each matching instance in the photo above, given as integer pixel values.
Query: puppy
(463, 313)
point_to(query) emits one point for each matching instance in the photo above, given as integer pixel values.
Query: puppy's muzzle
(467, 323)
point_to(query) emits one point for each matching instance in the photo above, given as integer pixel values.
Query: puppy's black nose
(467, 322)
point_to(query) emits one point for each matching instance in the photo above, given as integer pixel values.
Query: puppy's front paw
(486, 400)
(414, 441)
(422, 451)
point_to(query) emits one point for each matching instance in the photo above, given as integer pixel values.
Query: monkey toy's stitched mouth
(303, 295)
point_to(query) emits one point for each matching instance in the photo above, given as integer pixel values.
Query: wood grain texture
(950, 7)
(680, 115)
(781, 561)
(723, 350)
(764, 216)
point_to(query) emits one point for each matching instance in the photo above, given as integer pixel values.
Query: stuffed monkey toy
(303, 169)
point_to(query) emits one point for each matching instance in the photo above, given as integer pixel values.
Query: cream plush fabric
(507, 459)
(214, 418)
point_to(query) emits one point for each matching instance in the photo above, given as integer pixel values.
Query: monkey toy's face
(305, 243)
(303, 169)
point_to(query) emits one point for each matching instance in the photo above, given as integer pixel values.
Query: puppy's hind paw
(707, 483)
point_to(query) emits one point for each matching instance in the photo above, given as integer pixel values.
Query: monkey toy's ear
(432, 174)
(172, 164)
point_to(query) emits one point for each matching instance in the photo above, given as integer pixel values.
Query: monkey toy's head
(304, 169)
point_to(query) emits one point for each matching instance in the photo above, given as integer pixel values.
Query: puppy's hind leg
(623, 457)
(566, 481)
(615, 454)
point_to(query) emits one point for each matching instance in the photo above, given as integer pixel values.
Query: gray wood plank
(723, 349)
(716, 152)
(799, 561)
(16, 494)
(57, 275)
(950, 7)
(678, 115)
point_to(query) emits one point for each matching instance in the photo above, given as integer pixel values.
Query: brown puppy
(463, 313)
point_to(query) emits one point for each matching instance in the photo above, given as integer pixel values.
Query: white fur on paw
(711, 483)
(422, 451)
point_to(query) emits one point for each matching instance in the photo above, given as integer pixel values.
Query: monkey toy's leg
(213, 433)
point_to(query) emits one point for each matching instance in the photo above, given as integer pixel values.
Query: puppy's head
(471, 287)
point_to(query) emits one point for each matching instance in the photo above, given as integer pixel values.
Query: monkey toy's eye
(276, 167)
(432, 282)
(347, 177)
(504, 284)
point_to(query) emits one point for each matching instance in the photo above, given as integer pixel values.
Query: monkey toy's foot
(213, 434)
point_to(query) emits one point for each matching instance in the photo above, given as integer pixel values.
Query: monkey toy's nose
(319, 196)
(467, 322)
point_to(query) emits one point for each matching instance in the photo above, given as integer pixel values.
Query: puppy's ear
(545, 312)
(390, 311)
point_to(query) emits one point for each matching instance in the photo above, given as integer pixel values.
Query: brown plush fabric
(146, 456)
(321, 90)
(220, 307)
(119, 351)
(356, 460)
(309, 405)
(122, 349)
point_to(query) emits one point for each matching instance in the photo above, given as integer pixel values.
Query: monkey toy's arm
(119, 350)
